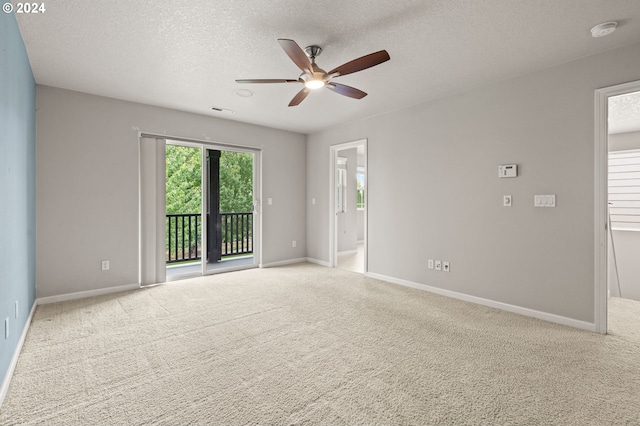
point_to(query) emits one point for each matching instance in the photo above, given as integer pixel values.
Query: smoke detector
(604, 29)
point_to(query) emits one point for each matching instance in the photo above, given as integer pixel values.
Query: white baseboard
(283, 262)
(490, 303)
(16, 354)
(85, 294)
(344, 253)
(317, 261)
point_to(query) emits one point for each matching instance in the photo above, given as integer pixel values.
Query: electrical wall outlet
(430, 264)
(105, 265)
(445, 266)
(293, 243)
(438, 265)
(506, 201)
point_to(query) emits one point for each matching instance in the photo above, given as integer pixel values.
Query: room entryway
(348, 213)
(617, 204)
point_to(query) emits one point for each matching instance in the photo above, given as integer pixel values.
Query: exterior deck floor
(196, 267)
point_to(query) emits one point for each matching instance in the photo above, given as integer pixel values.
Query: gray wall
(87, 185)
(17, 187)
(434, 190)
(626, 268)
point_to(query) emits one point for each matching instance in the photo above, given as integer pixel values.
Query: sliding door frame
(257, 195)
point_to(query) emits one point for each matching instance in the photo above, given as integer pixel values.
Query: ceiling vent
(222, 110)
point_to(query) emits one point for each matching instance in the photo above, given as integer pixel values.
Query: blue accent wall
(17, 187)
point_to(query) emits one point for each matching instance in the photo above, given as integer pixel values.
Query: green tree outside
(184, 191)
(184, 171)
(236, 182)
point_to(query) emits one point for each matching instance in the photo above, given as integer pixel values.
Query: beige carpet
(305, 344)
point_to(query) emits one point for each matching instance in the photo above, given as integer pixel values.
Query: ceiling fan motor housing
(318, 75)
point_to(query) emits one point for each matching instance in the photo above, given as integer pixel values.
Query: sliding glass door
(230, 205)
(211, 221)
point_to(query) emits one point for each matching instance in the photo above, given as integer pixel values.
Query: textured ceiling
(624, 113)
(186, 54)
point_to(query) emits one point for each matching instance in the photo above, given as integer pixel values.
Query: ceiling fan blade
(299, 97)
(361, 63)
(345, 90)
(296, 54)
(266, 80)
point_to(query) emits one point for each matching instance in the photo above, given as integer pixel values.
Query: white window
(360, 177)
(624, 189)
(341, 185)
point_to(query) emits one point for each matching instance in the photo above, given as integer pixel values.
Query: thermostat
(508, 170)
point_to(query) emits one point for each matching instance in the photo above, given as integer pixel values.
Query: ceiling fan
(313, 77)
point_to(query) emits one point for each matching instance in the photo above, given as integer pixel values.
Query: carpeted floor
(305, 344)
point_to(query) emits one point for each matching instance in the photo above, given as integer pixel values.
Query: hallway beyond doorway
(353, 261)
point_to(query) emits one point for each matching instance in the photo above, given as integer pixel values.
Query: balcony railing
(183, 237)
(184, 233)
(237, 233)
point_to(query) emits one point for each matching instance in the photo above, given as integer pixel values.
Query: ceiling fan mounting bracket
(313, 51)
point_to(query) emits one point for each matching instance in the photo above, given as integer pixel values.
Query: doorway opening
(617, 223)
(348, 206)
(211, 223)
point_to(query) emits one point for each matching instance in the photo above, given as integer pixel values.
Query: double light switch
(544, 200)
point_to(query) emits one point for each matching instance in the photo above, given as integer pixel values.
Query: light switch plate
(544, 200)
(506, 201)
(430, 264)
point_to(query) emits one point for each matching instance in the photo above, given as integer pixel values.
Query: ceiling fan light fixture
(313, 77)
(316, 80)
(314, 84)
